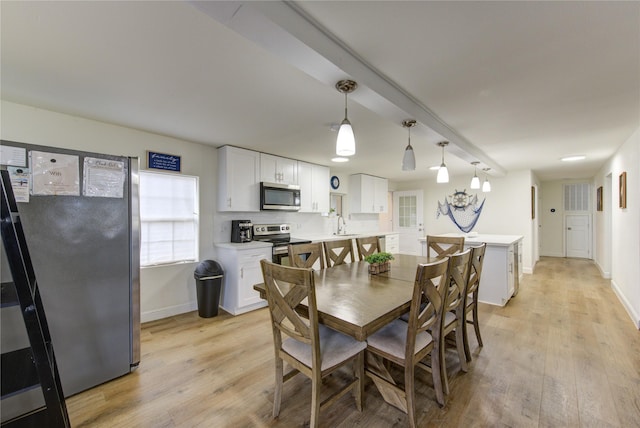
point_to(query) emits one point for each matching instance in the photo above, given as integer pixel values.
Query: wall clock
(335, 182)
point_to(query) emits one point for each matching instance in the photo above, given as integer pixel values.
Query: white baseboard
(551, 255)
(635, 317)
(605, 274)
(170, 311)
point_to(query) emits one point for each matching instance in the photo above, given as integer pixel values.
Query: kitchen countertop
(244, 245)
(321, 238)
(480, 238)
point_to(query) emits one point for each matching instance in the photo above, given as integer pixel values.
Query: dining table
(353, 301)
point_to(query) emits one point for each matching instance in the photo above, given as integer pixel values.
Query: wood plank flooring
(563, 353)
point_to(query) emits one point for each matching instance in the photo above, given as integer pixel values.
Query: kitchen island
(501, 271)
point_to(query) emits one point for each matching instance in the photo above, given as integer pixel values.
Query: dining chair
(367, 246)
(408, 344)
(454, 310)
(336, 252)
(471, 304)
(443, 246)
(306, 346)
(306, 255)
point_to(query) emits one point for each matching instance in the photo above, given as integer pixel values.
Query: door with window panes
(408, 220)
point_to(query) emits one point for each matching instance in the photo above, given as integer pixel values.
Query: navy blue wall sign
(163, 161)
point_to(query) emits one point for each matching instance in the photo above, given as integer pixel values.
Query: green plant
(378, 258)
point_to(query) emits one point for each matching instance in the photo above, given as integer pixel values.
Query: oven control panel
(271, 229)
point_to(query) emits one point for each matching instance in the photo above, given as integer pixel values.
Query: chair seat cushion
(392, 339)
(335, 348)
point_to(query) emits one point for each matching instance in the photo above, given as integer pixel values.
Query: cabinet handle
(241, 272)
(510, 267)
(229, 202)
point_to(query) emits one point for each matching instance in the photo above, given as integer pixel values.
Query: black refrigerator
(85, 250)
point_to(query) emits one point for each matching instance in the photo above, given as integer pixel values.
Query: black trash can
(208, 275)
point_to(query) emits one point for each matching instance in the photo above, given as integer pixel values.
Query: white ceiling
(515, 85)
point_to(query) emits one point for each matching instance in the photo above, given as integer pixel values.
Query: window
(407, 211)
(577, 197)
(168, 218)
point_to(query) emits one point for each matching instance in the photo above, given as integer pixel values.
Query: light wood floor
(563, 353)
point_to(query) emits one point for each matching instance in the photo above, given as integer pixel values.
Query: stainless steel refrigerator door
(81, 252)
(134, 209)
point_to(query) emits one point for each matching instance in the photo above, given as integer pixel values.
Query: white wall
(507, 210)
(166, 290)
(622, 248)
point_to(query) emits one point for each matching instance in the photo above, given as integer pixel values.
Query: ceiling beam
(286, 30)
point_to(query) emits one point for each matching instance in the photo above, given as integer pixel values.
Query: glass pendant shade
(486, 186)
(409, 159)
(475, 182)
(443, 174)
(346, 142)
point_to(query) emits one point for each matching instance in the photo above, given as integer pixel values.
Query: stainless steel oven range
(280, 236)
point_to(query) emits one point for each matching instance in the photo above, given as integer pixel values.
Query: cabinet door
(274, 169)
(249, 275)
(239, 179)
(305, 179)
(321, 192)
(368, 194)
(288, 169)
(269, 168)
(381, 187)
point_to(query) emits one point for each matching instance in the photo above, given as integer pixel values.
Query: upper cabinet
(368, 194)
(238, 179)
(274, 169)
(314, 188)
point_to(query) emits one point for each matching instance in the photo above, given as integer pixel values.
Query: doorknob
(568, 228)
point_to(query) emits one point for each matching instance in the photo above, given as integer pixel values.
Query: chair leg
(315, 400)
(359, 373)
(409, 391)
(443, 367)
(476, 325)
(460, 329)
(465, 338)
(277, 395)
(437, 378)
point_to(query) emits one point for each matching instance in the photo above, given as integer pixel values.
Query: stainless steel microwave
(277, 196)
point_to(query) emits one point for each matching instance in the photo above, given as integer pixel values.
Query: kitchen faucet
(342, 229)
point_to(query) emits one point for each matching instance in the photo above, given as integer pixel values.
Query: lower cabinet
(392, 243)
(241, 272)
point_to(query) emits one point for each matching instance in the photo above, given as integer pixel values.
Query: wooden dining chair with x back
(306, 346)
(336, 252)
(367, 246)
(471, 304)
(453, 313)
(306, 255)
(409, 344)
(443, 246)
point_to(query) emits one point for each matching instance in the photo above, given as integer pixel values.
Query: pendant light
(486, 186)
(409, 158)
(443, 172)
(346, 142)
(475, 181)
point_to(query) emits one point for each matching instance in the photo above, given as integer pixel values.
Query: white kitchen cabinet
(501, 268)
(238, 179)
(392, 243)
(314, 188)
(275, 169)
(241, 264)
(368, 194)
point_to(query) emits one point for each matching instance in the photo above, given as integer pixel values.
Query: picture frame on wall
(599, 199)
(622, 185)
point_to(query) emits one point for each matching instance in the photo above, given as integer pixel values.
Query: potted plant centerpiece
(378, 262)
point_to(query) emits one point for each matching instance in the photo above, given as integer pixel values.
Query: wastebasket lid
(208, 268)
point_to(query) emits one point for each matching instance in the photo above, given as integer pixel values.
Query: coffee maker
(241, 230)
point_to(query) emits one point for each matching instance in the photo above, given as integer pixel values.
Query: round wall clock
(335, 182)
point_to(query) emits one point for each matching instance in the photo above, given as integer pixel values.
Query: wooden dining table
(357, 303)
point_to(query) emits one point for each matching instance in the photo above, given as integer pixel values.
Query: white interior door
(578, 236)
(408, 220)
